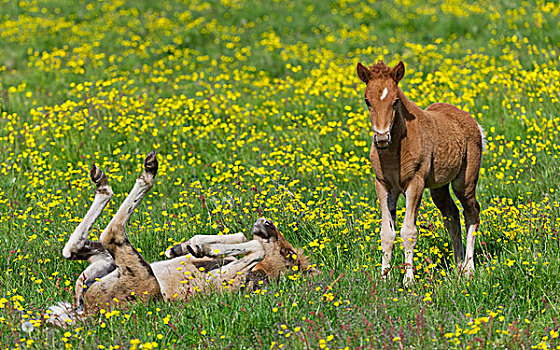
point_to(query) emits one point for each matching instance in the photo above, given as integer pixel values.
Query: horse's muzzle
(382, 140)
(263, 228)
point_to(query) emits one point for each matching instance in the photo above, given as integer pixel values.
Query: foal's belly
(447, 161)
(436, 180)
(177, 278)
(115, 288)
(181, 277)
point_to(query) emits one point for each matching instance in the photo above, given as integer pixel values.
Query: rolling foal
(117, 272)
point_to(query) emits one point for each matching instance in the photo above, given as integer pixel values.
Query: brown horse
(118, 273)
(415, 149)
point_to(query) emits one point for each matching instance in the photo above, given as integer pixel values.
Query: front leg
(234, 273)
(181, 248)
(388, 205)
(409, 232)
(219, 250)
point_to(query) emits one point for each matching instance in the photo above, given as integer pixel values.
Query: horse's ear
(363, 72)
(398, 72)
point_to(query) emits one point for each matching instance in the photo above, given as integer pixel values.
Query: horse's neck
(399, 124)
(409, 112)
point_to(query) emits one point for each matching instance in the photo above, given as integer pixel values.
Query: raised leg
(78, 246)
(134, 276)
(181, 248)
(443, 201)
(409, 232)
(388, 205)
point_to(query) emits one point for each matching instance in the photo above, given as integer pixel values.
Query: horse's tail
(483, 135)
(62, 314)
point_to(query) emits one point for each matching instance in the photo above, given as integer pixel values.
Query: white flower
(27, 327)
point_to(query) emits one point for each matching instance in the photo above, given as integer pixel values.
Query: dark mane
(379, 70)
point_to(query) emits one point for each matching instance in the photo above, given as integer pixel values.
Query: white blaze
(385, 92)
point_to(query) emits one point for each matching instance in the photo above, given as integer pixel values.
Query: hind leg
(134, 276)
(472, 221)
(234, 273)
(443, 201)
(464, 188)
(78, 246)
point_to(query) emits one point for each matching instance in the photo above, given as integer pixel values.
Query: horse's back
(456, 123)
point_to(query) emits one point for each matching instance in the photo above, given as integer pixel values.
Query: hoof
(386, 273)
(151, 163)
(408, 279)
(97, 176)
(100, 180)
(467, 271)
(174, 251)
(195, 250)
(95, 173)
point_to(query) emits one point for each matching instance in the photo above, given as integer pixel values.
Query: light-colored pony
(415, 149)
(117, 273)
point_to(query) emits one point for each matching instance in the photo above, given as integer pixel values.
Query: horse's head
(265, 229)
(382, 98)
(281, 255)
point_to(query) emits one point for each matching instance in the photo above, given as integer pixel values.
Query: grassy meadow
(255, 109)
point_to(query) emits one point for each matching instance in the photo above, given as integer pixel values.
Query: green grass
(255, 110)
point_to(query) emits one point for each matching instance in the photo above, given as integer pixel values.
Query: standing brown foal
(415, 149)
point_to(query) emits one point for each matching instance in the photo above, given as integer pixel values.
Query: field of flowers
(255, 110)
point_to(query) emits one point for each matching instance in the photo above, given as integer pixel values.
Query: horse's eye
(367, 103)
(396, 103)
